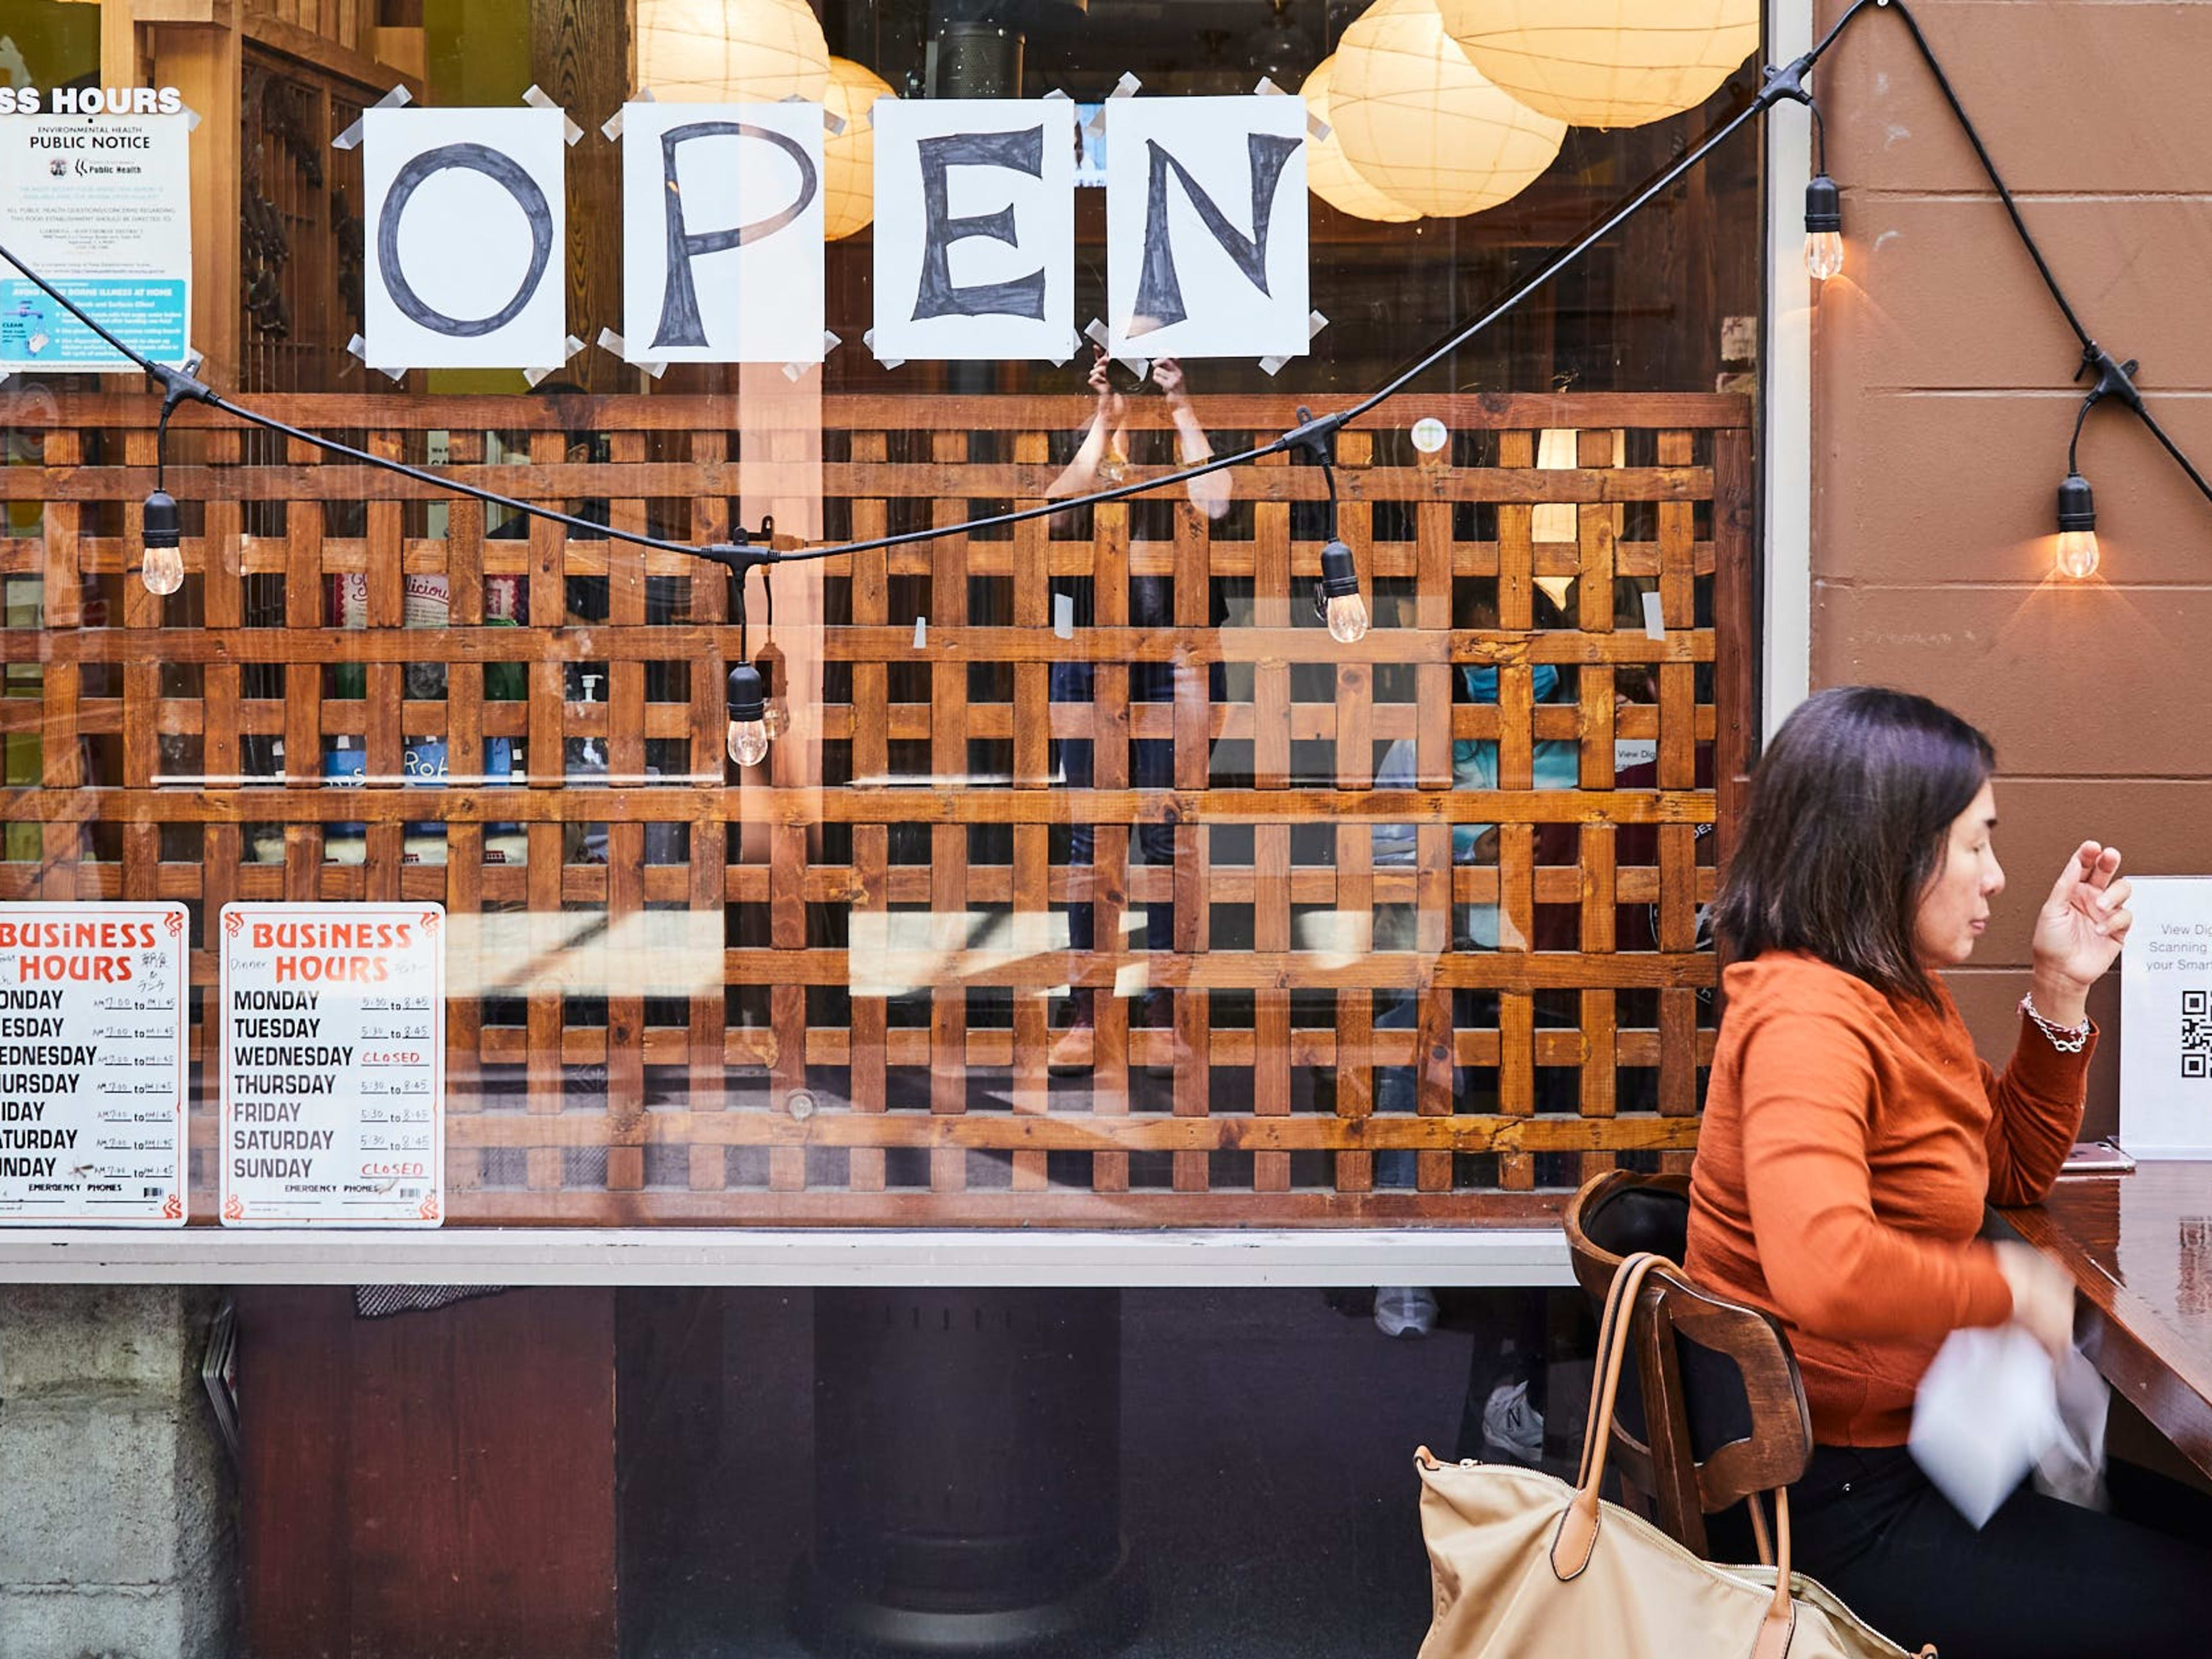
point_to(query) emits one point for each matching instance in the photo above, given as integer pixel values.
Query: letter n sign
(465, 238)
(1205, 226)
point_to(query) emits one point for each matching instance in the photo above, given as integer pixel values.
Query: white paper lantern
(848, 158)
(1606, 62)
(1418, 122)
(731, 52)
(1329, 175)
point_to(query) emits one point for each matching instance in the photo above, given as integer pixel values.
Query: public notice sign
(101, 206)
(92, 1065)
(333, 1055)
(2165, 1020)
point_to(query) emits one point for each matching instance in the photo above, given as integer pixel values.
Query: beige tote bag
(1524, 1564)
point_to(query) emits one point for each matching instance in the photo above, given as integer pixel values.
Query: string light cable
(1313, 436)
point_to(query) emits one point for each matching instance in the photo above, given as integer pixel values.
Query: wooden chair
(1712, 1412)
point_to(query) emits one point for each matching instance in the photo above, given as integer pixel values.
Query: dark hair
(1846, 824)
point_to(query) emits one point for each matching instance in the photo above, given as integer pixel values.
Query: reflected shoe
(1071, 1053)
(1512, 1429)
(1406, 1310)
(1158, 1014)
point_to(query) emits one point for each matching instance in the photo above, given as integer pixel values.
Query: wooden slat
(706, 879)
(61, 751)
(948, 757)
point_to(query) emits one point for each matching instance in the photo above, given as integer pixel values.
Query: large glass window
(1086, 878)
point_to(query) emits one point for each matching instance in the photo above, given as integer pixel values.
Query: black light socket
(1824, 205)
(2077, 508)
(163, 528)
(747, 701)
(1339, 577)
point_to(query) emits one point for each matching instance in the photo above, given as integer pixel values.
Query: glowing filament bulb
(2077, 554)
(1347, 620)
(163, 571)
(1824, 254)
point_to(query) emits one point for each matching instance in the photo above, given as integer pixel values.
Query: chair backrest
(1716, 1414)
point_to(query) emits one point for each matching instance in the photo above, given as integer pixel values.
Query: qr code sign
(2196, 1034)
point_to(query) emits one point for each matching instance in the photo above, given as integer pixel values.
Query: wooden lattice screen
(828, 994)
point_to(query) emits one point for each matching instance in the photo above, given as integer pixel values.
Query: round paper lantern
(848, 158)
(1418, 122)
(1329, 175)
(731, 52)
(1606, 62)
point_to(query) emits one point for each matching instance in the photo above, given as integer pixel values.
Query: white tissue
(1992, 1408)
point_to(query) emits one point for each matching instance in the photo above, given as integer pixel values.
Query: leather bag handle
(1576, 1538)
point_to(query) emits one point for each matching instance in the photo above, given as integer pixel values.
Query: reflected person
(1102, 461)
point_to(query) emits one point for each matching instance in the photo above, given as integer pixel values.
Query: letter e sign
(976, 228)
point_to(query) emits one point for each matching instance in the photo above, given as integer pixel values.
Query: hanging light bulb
(162, 569)
(748, 716)
(2077, 528)
(1823, 228)
(1336, 596)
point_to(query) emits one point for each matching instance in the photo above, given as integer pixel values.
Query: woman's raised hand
(2080, 928)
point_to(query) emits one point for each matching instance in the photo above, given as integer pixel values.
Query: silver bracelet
(2067, 1039)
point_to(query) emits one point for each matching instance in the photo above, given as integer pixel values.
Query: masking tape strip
(868, 340)
(612, 126)
(1127, 87)
(922, 633)
(359, 348)
(392, 99)
(1314, 323)
(538, 99)
(1655, 616)
(610, 340)
(832, 123)
(1316, 129)
(1098, 334)
(569, 348)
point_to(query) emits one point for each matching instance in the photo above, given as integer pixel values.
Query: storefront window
(1087, 879)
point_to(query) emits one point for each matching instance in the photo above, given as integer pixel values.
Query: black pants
(2042, 1578)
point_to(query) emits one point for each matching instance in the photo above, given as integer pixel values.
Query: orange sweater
(1849, 1143)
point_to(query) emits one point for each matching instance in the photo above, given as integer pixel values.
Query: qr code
(2196, 1034)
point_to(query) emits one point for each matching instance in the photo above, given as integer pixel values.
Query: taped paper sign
(331, 1019)
(1205, 226)
(975, 228)
(722, 244)
(101, 207)
(465, 224)
(93, 1088)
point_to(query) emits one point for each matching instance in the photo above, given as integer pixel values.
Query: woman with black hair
(1851, 1142)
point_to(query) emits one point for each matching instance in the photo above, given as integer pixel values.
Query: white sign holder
(2165, 1020)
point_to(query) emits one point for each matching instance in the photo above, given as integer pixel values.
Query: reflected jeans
(1152, 766)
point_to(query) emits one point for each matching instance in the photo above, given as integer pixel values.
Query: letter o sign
(505, 172)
